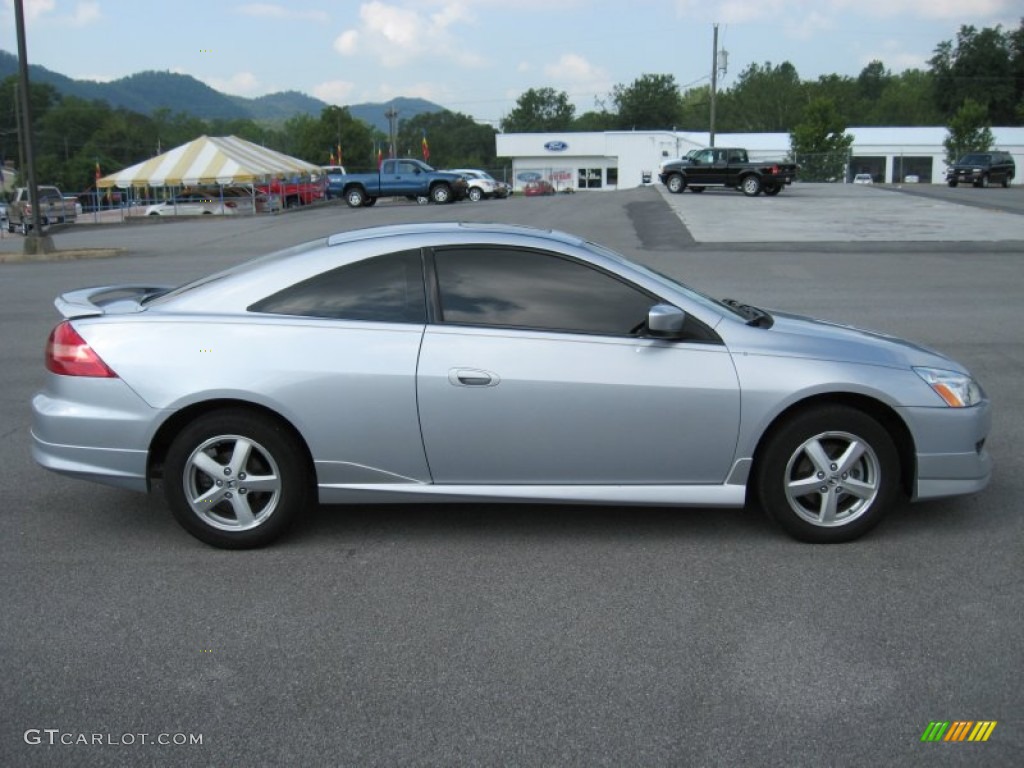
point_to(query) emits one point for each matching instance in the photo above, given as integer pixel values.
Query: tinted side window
(384, 289)
(531, 289)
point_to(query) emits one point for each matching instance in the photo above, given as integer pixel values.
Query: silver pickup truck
(53, 209)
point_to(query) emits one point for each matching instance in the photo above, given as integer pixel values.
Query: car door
(702, 170)
(404, 179)
(534, 374)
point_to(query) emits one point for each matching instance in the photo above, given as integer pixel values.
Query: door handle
(472, 377)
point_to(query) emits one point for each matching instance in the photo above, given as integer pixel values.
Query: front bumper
(951, 455)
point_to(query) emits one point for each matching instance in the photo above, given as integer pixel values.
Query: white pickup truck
(53, 209)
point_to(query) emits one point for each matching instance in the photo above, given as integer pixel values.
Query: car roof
(452, 227)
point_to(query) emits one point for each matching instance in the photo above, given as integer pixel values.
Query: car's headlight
(957, 390)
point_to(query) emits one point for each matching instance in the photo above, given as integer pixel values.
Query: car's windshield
(974, 159)
(669, 282)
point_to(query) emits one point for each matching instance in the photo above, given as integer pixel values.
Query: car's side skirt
(651, 495)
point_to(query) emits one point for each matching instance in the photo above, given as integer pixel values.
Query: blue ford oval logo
(556, 146)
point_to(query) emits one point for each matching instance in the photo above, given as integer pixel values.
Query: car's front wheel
(952, 182)
(828, 475)
(441, 193)
(236, 479)
(675, 184)
(475, 194)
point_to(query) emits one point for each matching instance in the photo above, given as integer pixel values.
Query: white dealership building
(626, 159)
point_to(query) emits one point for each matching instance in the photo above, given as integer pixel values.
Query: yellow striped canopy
(210, 160)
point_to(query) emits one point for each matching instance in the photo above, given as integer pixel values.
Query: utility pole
(35, 241)
(714, 85)
(392, 116)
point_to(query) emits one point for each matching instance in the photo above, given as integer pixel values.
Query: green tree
(907, 99)
(455, 140)
(819, 143)
(695, 109)
(765, 99)
(981, 66)
(651, 102)
(969, 131)
(313, 139)
(540, 110)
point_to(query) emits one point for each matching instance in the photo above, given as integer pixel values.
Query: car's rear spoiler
(108, 299)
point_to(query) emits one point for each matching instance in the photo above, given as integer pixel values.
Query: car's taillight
(231, 204)
(68, 354)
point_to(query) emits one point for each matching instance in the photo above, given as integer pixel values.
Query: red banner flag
(339, 154)
(98, 171)
(380, 157)
(426, 147)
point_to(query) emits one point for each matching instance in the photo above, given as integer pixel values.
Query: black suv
(982, 169)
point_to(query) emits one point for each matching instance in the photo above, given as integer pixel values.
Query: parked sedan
(472, 362)
(538, 188)
(204, 203)
(481, 184)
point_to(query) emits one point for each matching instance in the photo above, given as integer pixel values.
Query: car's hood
(798, 336)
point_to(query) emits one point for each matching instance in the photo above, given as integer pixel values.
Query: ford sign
(556, 146)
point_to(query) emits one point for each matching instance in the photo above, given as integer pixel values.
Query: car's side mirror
(665, 321)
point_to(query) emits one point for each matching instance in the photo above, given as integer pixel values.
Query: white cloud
(239, 84)
(35, 9)
(334, 91)
(86, 13)
(273, 11)
(396, 35)
(347, 43)
(744, 11)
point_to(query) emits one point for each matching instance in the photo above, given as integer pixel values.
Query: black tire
(441, 193)
(369, 202)
(214, 503)
(1006, 181)
(355, 197)
(772, 189)
(675, 183)
(750, 185)
(475, 194)
(698, 190)
(952, 182)
(804, 454)
(984, 181)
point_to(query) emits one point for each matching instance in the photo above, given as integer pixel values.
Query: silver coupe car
(464, 362)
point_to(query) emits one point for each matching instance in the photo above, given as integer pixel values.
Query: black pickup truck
(725, 167)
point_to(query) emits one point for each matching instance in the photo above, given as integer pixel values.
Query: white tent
(210, 160)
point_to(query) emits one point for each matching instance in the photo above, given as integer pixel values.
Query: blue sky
(478, 56)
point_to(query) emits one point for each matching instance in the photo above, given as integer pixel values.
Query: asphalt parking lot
(533, 635)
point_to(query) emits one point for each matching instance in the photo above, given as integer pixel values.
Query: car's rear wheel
(828, 475)
(236, 479)
(675, 184)
(751, 186)
(355, 197)
(441, 193)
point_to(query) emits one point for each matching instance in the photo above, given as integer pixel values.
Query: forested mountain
(148, 92)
